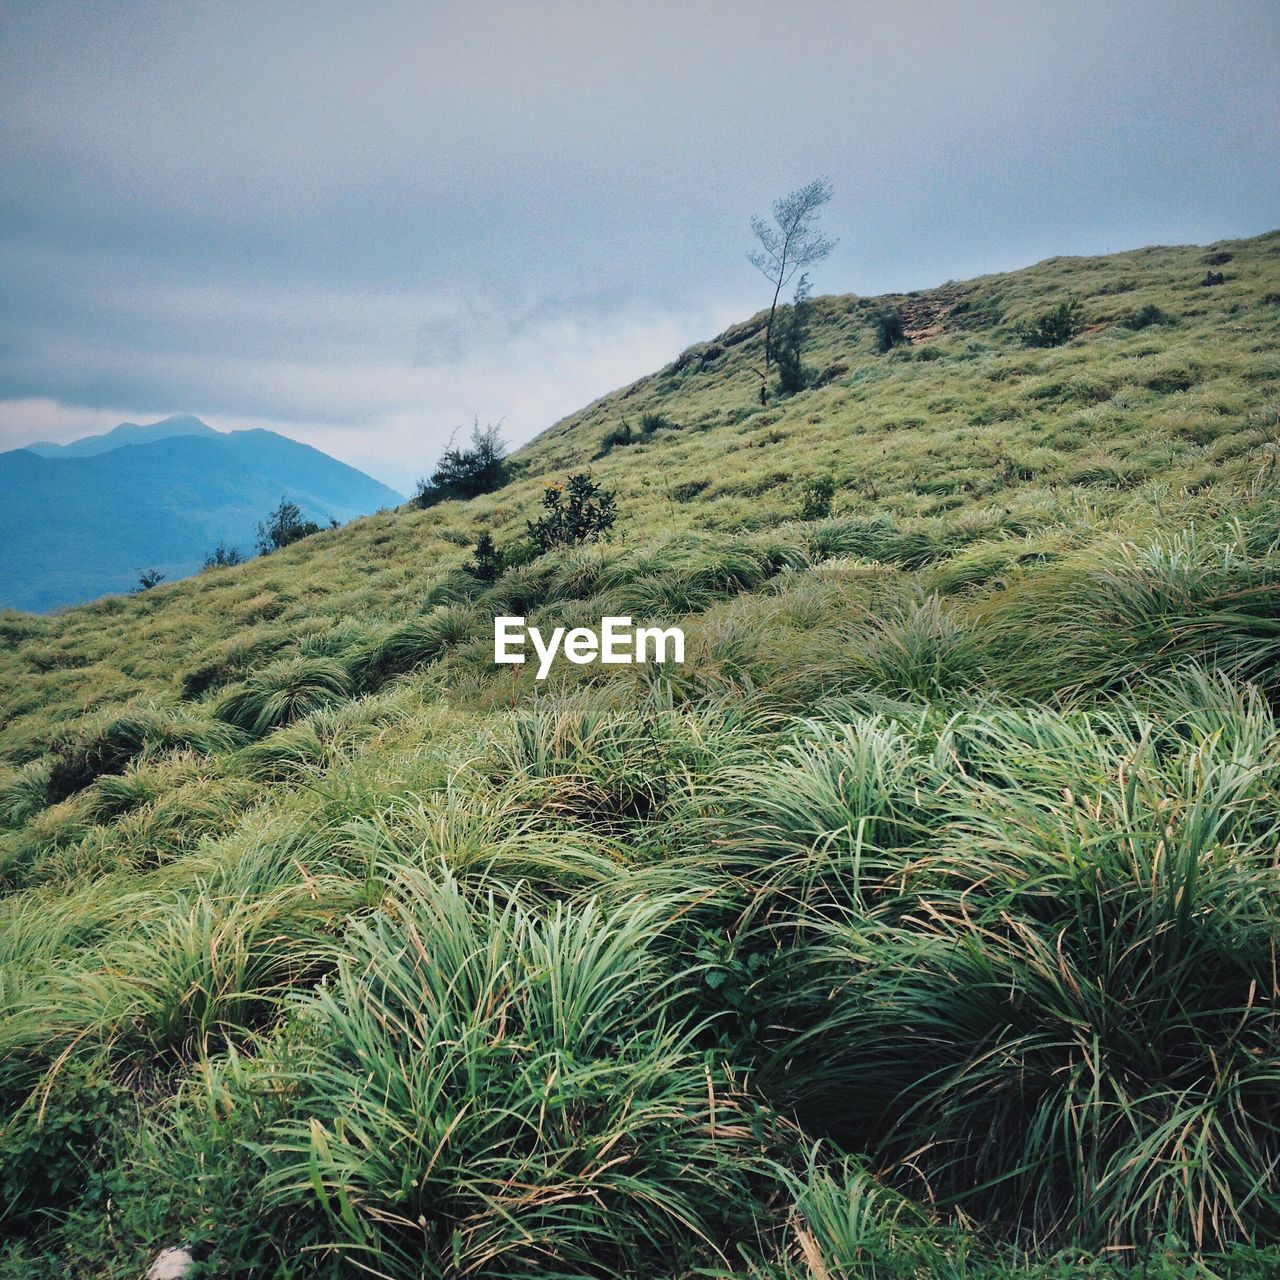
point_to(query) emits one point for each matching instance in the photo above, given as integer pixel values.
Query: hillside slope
(922, 923)
(87, 519)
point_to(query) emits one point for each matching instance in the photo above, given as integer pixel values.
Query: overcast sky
(364, 224)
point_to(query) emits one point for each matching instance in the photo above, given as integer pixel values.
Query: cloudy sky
(365, 224)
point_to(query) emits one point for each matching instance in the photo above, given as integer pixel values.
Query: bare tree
(793, 243)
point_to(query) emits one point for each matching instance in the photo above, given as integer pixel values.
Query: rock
(172, 1264)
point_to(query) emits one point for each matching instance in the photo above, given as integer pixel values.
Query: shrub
(889, 329)
(789, 344)
(816, 498)
(283, 692)
(467, 473)
(617, 438)
(284, 526)
(654, 422)
(486, 563)
(1145, 317)
(223, 556)
(150, 578)
(49, 1150)
(578, 511)
(1053, 327)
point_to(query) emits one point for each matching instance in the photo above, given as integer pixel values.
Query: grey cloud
(363, 223)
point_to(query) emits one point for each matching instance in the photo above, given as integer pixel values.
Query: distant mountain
(181, 424)
(85, 519)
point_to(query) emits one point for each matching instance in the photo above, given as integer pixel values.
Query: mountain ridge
(82, 524)
(125, 434)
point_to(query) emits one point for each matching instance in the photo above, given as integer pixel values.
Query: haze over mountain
(85, 519)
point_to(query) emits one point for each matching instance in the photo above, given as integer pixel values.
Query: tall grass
(498, 1091)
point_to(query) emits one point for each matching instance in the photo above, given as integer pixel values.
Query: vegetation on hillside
(922, 924)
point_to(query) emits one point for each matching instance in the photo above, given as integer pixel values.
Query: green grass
(922, 924)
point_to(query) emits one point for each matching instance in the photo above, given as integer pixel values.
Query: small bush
(486, 563)
(223, 556)
(578, 511)
(467, 473)
(1145, 317)
(816, 498)
(889, 329)
(48, 1152)
(285, 526)
(793, 376)
(1053, 327)
(150, 578)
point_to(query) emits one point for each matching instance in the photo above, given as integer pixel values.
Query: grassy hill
(923, 923)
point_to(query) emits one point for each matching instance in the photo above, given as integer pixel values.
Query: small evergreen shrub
(793, 376)
(486, 565)
(467, 473)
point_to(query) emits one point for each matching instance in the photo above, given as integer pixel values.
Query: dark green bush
(889, 329)
(285, 526)
(1053, 327)
(486, 563)
(467, 473)
(578, 511)
(50, 1145)
(223, 556)
(793, 376)
(816, 497)
(1145, 317)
